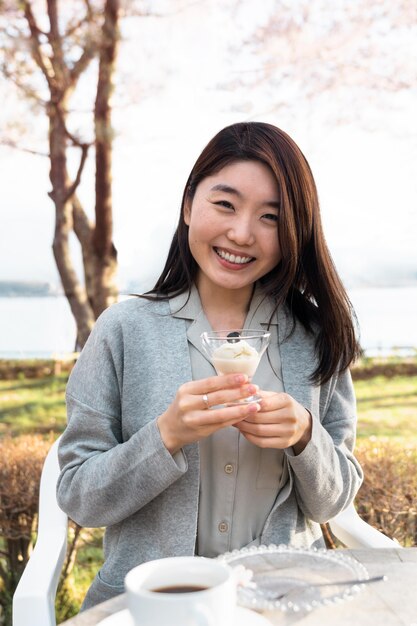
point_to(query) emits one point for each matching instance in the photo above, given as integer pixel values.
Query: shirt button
(223, 527)
(228, 468)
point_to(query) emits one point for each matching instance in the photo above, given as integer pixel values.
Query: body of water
(41, 327)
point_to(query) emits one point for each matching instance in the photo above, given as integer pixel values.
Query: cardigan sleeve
(105, 479)
(326, 474)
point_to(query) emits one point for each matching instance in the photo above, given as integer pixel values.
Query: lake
(41, 327)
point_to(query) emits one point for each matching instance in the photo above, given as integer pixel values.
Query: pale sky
(169, 102)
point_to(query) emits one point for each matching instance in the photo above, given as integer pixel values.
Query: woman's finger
(221, 417)
(267, 442)
(274, 401)
(264, 430)
(225, 396)
(277, 416)
(215, 383)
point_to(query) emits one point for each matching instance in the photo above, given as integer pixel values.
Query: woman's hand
(281, 422)
(188, 419)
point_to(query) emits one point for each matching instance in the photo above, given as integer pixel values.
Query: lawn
(387, 409)
(32, 405)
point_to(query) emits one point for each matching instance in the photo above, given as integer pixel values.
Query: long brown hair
(305, 278)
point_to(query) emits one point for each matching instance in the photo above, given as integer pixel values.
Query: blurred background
(338, 75)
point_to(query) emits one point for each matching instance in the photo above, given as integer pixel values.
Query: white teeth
(240, 260)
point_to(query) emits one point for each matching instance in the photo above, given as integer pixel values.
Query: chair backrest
(34, 598)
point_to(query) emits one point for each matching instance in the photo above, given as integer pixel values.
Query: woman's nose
(241, 231)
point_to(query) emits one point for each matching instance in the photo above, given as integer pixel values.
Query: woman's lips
(231, 260)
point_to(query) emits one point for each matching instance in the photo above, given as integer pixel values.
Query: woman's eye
(271, 217)
(225, 203)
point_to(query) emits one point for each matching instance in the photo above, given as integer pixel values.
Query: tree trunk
(73, 290)
(84, 230)
(104, 287)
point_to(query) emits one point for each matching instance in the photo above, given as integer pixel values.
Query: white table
(390, 603)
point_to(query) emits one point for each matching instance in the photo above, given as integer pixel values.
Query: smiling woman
(304, 276)
(163, 452)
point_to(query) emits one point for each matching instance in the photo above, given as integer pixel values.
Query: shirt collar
(261, 310)
(188, 306)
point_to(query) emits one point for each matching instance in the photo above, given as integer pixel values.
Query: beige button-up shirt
(239, 481)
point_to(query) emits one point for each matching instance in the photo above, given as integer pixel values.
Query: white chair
(34, 598)
(354, 532)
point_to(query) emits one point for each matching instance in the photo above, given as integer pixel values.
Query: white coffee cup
(181, 591)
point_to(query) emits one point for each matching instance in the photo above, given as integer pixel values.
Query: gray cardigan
(116, 471)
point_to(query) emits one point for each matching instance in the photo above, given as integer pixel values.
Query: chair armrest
(34, 598)
(354, 532)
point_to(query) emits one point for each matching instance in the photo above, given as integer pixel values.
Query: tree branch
(55, 39)
(73, 187)
(74, 140)
(42, 61)
(88, 8)
(79, 144)
(71, 554)
(27, 91)
(12, 144)
(72, 29)
(83, 62)
(90, 45)
(83, 228)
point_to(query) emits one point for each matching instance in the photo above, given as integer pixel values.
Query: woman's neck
(225, 308)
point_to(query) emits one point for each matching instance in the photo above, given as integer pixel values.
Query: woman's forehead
(242, 177)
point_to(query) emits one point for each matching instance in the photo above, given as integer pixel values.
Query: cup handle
(201, 616)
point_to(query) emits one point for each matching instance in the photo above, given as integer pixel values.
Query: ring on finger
(206, 401)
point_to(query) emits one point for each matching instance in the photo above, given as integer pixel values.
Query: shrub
(370, 367)
(21, 461)
(388, 497)
(35, 369)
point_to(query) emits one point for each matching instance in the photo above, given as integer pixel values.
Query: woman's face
(232, 223)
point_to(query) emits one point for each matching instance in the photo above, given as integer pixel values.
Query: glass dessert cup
(236, 351)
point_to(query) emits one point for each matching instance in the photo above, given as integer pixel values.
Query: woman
(143, 454)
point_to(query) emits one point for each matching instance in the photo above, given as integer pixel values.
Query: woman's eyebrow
(227, 189)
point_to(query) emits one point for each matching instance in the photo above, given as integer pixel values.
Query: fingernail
(254, 408)
(241, 378)
(252, 389)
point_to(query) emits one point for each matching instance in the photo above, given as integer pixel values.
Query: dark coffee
(180, 589)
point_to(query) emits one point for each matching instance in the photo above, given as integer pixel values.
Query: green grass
(387, 408)
(88, 561)
(32, 405)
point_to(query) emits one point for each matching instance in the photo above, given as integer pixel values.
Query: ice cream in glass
(236, 351)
